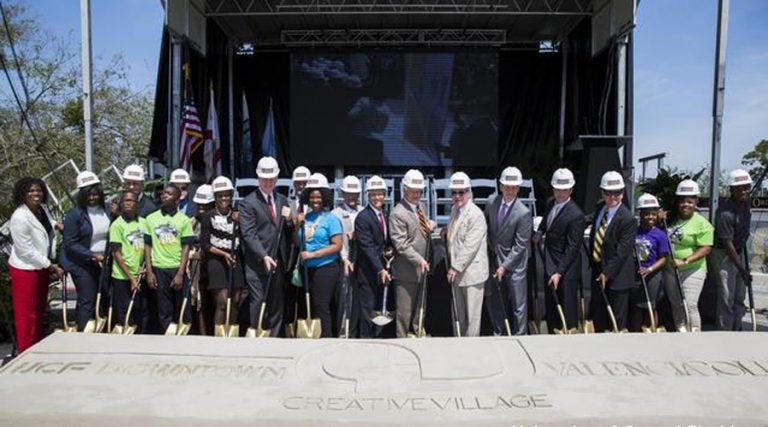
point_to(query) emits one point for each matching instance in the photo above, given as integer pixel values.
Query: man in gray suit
(409, 231)
(467, 255)
(509, 234)
(260, 214)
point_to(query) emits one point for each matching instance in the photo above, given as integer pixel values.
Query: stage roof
(419, 23)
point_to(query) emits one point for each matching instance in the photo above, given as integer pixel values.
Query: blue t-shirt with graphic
(320, 227)
(651, 245)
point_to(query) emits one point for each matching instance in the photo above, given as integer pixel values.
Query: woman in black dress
(219, 241)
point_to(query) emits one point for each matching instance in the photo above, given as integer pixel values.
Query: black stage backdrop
(528, 102)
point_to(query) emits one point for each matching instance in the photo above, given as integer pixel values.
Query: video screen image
(394, 109)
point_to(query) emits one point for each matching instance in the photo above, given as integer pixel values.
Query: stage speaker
(599, 154)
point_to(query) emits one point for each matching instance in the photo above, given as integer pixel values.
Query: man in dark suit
(610, 245)
(563, 231)
(371, 238)
(260, 214)
(509, 235)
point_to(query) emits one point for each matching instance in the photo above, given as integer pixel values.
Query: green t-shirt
(687, 236)
(167, 234)
(130, 236)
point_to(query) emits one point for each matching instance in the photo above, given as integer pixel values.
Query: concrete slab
(705, 379)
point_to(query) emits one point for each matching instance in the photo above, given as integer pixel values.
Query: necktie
(597, 249)
(381, 224)
(271, 208)
(553, 215)
(502, 214)
(422, 222)
(299, 206)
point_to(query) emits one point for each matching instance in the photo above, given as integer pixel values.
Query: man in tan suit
(409, 231)
(468, 255)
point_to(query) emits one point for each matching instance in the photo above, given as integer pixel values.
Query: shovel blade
(290, 330)
(308, 328)
(381, 318)
(90, 327)
(101, 323)
(219, 331)
(589, 327)
(117, 330)
(172, 329)
(533, 329)
(184, 328)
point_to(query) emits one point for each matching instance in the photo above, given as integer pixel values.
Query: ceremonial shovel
(652, 317)
(748, 282)
(181, 328)
(65, 326)
(97, 324)
(227, 329)
(309, 327)
(384, 317)
(126, 328)
(687, 327)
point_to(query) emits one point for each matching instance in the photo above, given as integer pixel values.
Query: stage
(707, 379)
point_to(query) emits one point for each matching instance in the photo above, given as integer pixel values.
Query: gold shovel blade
(533, 329)
(184, 328)
(219, 331)
(589, 327)
(308, 328)
(228, 331)
(290, 330)
(90, 327)
(117, 330)
(172, 329)
(130, 330)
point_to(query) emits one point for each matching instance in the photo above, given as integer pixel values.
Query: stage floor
(706, 379)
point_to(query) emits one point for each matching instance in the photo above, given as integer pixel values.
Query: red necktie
(271, 209)
(381, 224)
(300, 207)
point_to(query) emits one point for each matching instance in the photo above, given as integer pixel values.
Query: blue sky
(674, 68)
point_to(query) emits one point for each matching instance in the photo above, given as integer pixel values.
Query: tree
(50, 66)
(757, 161)
(663, 186)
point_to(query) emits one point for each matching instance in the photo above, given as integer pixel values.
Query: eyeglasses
(458, 192)
(615, 193)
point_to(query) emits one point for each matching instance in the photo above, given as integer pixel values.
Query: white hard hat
(301, 173)
(647, 201)
(350, 184)
(222, 183)
(738, 177)
(267, 168)
(459, 181)
(203, 195)
(86, 179)
(511, 176)
(317, 180)
(687, 187)
(375, 183)
(179, 176)
(612, 181)
(563, 179)
(414, 179)
(133, 173)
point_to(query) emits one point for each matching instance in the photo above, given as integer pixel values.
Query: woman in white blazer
(30, 263)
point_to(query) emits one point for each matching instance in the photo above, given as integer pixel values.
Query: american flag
(191, 130)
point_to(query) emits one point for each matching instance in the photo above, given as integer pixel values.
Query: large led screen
(394, 109)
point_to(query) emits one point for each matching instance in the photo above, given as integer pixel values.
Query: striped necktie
(597, 248)
(422, 222)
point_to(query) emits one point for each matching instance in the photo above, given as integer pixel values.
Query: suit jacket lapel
(494, 214)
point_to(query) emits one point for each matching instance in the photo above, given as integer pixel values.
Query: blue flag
(269, 139)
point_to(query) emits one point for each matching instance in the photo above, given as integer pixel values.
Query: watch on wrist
(685, 261)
